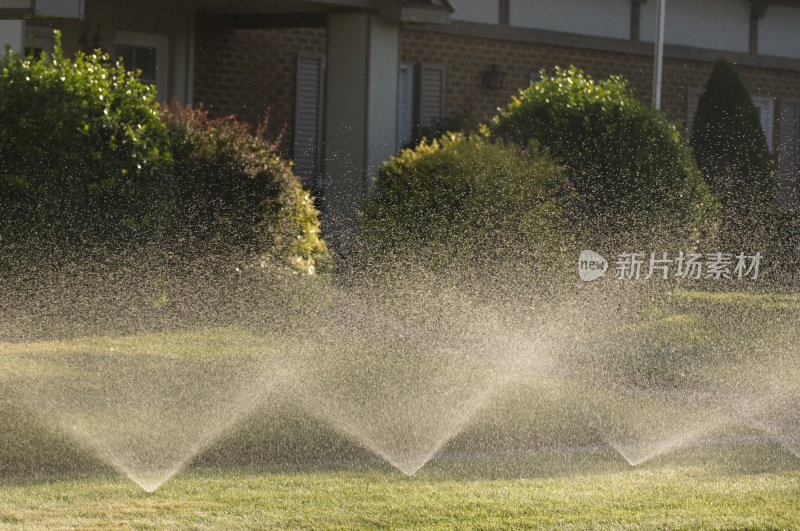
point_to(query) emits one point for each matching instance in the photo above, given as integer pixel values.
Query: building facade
(348, 82)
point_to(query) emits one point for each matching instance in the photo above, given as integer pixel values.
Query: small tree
(731, 150)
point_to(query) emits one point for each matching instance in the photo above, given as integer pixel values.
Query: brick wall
(251, 72)
(466, 57)
(248, 71)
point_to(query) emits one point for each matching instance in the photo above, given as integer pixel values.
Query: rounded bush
(464, 197)
(232, 189)
(81, 148)
(631, 168)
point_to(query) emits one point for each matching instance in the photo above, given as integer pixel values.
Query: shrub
(81, 144)
(465, 198)
(631, 168)
(731, 150)
(461, 121)
(233, 189)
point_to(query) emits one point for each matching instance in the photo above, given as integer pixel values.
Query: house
(350, 81)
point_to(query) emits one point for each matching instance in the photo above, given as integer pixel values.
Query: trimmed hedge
(631, 168)
(466, 198)
(731, 150)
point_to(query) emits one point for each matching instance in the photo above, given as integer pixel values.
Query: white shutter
(788, 164)
(430, 95)
(308, 118)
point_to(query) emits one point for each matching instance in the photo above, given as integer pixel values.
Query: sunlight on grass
(676, 496)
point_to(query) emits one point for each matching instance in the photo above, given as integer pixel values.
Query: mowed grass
(499, 485)
(676, 495)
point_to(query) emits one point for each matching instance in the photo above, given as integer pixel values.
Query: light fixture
(493, 78)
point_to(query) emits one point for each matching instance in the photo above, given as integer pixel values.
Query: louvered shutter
(430, 95)
(308, 118)
(788, 164)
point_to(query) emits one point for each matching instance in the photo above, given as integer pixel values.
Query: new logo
(591, 266)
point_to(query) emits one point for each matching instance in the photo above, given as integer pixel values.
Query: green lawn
(581, 492)
(709, 378)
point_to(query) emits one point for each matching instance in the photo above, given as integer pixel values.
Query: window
(420, 101)
(429, 96)
(147, 53)
(38, 40)
(405, 106)
(692, 99)
(766, 112)
(764, 104)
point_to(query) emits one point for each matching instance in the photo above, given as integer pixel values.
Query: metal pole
(661, 10)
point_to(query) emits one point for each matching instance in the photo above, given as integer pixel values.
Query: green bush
(81, 146)
(631, 168)
(731, 150)
(465, 198)
(89, 161)
(233, 189)
(461, 121)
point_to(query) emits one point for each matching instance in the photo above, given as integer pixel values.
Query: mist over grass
(147, 366)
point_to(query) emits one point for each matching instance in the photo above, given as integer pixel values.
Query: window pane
(145, 61)
(139, 58)
(125, 54)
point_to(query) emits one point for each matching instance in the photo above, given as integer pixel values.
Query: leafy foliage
(81, 148)
(233, 188)
(88, 160)
(630, 167)
(465, 197)
(731, 150)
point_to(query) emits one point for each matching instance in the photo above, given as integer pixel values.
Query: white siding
(12, 34)
(714, 24)
(603, 18)
(779, 32)
(486, 11)
(60, 8)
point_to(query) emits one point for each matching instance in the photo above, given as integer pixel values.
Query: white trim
(161, 44)
(405, 105)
